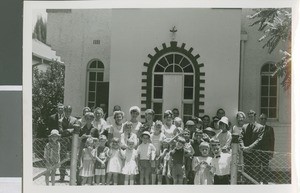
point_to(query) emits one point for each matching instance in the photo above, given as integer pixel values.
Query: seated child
(202, 166)
(220, 163)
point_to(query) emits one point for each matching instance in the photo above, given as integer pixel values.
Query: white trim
(10, 180)
(11, 88)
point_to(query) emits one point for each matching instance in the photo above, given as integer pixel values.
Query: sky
(36, 13)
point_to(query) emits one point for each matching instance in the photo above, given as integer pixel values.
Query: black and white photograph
(160, 96)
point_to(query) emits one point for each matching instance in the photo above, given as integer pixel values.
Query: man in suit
(267, 147)
(250, 142)
(66, 128)
(53, 121)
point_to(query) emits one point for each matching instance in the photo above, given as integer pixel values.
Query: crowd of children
(156, 152)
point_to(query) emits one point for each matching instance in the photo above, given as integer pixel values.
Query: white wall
(72, 35)
(255, 57)
(213, 33)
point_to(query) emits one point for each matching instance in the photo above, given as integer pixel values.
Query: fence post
(234, 161)
(74, 151)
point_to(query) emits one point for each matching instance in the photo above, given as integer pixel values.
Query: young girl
(202, 166)
(157, 138)
(130, 168)
(164, 162)
(52, 156)
(115, 163)
(87, 163)
(101, 157)
(178, 129)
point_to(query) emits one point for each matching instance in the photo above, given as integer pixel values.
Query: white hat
(135, 108)
(224, 120)
(54, 132)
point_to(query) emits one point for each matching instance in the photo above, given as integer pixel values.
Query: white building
(134, 57)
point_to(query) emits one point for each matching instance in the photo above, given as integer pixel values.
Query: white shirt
(157, 141)
(221, 165)
(168, 131)
(145, 150)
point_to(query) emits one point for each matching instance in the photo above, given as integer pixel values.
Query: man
(66, 128)
(250, 141)
(53, 121)
(267, 147)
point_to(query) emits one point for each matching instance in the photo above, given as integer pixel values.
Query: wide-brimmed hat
(54, 132)
(224, 120)
(146, 133)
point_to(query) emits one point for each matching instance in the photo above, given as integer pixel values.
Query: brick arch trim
(148, 72)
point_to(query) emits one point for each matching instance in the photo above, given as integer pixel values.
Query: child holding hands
(202, 166)
(101, 158)
(130, 168)
(52, 156)
(87, 162)
(115, 163)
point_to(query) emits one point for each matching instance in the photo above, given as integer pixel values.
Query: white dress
(114, 164)
(130, 167)
(203, 174)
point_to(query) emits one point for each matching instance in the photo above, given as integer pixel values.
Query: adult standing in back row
(250, 141)
(267, 147)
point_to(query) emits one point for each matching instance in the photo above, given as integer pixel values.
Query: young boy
(220, 163)
(189, 174)
(178, 161)
(52, 156)
(157, 137)
(146, 153)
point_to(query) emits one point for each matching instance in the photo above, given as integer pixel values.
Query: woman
(168, 127)
(116, 129)
(134, 112)
(99, 122)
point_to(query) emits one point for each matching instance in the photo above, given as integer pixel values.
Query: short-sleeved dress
(115, 163)
(88, 164)
(203, 174)
(99, 167)
(130, 167)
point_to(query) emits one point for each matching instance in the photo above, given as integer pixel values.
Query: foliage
(40, 30)
(47, 91)
(276, 27)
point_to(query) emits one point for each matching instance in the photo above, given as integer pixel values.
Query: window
(269, 96)
(95, 73)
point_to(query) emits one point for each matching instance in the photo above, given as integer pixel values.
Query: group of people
(118, 151)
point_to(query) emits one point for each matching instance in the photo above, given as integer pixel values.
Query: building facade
(196, 60)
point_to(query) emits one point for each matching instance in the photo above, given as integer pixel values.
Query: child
(189, 179)
(101, 157)
(52, 156)
(127, 127)
(178, 129)
(130, 168)
(202, 166)
(163, 159)
(178, 161)
(87, 163)
(220, 163)
(115, 163)
(157, 138)
(146, 152)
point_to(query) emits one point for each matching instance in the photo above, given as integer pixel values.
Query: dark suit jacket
(268, 139)
(67, 124)
(53, 122)
(251, 135)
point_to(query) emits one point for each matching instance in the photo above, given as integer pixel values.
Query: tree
(47, 91)
(40, 30)
(276, 27)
